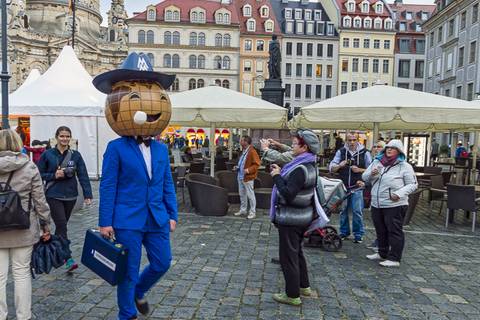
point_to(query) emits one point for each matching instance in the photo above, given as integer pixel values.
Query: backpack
(464, 154)
(12, 215)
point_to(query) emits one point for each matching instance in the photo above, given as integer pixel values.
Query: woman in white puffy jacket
(392, 179)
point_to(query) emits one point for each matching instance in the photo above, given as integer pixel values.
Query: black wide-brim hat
(135, 67)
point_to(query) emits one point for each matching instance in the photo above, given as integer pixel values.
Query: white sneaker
(251, 215)
(374, 256)
(239, 213)
(389, 263)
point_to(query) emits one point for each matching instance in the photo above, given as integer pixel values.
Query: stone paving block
(456, 299)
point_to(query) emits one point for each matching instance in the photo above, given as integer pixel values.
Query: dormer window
(357, 22)
(152, 15)
(298, 14)
(247, 10)
(264, 12)
(169, 15)
(424, 16)
(226, 18)
(201, 17)
(288, 13)
(378, 23)
(194, 17)
(367, 23)
(176, 16)
(379, 8)
(251, 25)
(219, 17)
(299, 27)
(365, 7)
(347, 22)
(408, 15)
(418, 27)
(388, 24)
(318, 15)
(172, 14)
(308, 14)
(351, 6)
(197, 15)
(402, 26)
(269, 26)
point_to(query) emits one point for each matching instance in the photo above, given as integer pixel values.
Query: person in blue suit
(137, 196)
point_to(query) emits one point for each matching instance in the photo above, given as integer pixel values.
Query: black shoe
(142, 306)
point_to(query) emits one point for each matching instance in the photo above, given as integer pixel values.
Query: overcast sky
(140, 5)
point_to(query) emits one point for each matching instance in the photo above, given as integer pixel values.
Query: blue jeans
(157, 246)
(355, 203)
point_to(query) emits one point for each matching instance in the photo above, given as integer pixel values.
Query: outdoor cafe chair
(181, 172)
(462, 197)
(413, 199)
(436, 183)
(197, 167)
(207, 197)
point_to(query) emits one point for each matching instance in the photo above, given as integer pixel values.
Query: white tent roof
(392, 108)
(64, 89)
(225, 108)
(32, 76)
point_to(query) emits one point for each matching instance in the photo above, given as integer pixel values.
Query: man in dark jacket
(350, 162)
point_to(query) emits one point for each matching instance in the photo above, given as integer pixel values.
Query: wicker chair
(461, 197)
(228, 180)
(266, 179)
(197, 167)
(413, 199)
(207, 197)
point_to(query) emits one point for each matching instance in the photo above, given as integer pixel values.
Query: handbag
(12, 215)
(63, 165)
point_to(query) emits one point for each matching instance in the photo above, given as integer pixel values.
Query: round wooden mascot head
(137, 103)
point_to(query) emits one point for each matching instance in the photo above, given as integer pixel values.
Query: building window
(475, 13)
(378, 23)
(176, 38)
(420, 46)
(357, 22)
(308, 14)
(440, 35)
(299, 27)
(298, 70)
(318, 15)
(320, 28)
(288, 90)
(227, 40)
(424, 16)
(403, 26)
(251, 23)
(404, 69)
(330, 51)
(201, 61)
(319, 50)
(375, 65)
(459, 92)
(386, 66)
(354, 86)
(451, 27)
(289, 49)
(194, 17)
(175, 85)
(365, 66)
(461, 56)
(449, 61)
(366, 43)
(308, 91)
(367, 23)
(167, 61)
(175, 61)
(226, 63)
(299, 49)
(298, 91)
(259, 65)
(288, 13)
(404, 45)
(309, 70)
(403, 85)
(192, 84)
(376, 44)
(351, 6)
(269, 26)
(309, 49)
(226, 84)
(193, 39)
(310, 27)
(355, 65)
(343, 88)
(439, 66)
(248, 45)
(289, 27)
(288, 69)
(226, 18)
(167, 38)
(345, 65)
(192, 62)
(418, 87)
(201, 39)
(318, 92)
(329, 71)
(365, 7)
(470, 92)
(217, 63)
(328, 92)
(432, 38)
(364, 85)
(141, 36)
(356, 43)
(408, 15)
(419, 69)
(318, 71)
(247, 65)
(200, 83)
(330, 29)
(386, 44)
(346, 42)
(463, 20)
(247, 11)
(473, 52)
(169, 15)
(260, 45)
(151, 15)
(218, 40)
(379, 8)
(298, 14)
(347, 22)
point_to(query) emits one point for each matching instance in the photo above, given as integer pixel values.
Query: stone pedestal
(273, 91)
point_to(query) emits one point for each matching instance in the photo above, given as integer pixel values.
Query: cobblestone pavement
(222, 270)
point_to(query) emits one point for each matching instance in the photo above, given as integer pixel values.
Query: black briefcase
(107, 258)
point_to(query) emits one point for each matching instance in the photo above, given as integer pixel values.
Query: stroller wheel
(330, 229)
(332, 242)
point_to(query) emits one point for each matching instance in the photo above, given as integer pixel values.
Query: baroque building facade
(39, 29)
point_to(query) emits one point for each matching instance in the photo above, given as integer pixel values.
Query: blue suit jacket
(126, 191)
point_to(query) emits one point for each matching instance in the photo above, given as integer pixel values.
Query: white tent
(64, 95)
(215, 106)
(32, 76)
(390, 108)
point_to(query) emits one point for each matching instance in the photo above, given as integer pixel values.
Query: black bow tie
(145, 141)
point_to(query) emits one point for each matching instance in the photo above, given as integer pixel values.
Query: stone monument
(273, 90)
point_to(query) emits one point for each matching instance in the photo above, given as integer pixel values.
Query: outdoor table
(182, 164)
(425, 175)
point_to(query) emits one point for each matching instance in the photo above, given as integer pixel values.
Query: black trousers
(292, 260)
(61, 212)
(388, 224)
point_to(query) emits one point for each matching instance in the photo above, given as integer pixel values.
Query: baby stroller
(332, 195)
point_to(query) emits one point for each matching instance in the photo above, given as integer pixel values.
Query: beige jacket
(26, 180)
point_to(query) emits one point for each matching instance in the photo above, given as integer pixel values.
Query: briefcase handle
(112, 239)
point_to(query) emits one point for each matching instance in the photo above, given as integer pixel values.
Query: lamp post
(4, 76)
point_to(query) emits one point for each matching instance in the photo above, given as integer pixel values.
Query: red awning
(191, 130)
(225, 131)
(200, 131)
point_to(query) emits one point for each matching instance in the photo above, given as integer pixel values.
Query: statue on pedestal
(274, 63)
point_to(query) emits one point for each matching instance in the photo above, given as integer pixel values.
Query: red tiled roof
(210, 6)
(414, 9)
(358, 11)
(260, 22)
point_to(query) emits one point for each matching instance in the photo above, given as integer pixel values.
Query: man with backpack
(350, 162)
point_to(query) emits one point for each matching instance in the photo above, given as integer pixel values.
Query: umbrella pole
(475, 155)
(429, 149)
(321, 142)
(230, 144)
(376, 129)
(212, 150)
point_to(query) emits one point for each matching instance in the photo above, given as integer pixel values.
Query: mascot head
(137, 104)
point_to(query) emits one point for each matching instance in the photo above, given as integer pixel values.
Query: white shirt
(147, 156)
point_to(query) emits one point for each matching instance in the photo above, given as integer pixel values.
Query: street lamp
(4, 76)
